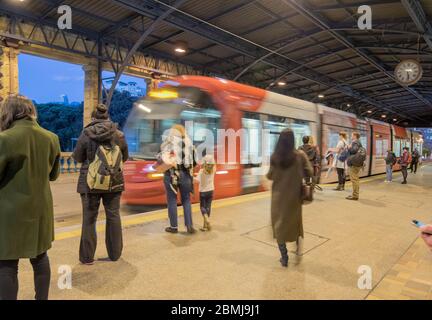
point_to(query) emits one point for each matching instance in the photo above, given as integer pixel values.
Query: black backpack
(358, 159)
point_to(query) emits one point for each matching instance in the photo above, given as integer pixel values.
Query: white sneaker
(299, 250)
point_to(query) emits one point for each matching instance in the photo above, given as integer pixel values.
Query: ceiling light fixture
(281, 83)
(320, 96)
(180, 47)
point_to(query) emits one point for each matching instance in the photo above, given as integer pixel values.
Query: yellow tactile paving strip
(409, 279)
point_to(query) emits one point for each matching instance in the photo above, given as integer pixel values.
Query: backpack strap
(102, 157)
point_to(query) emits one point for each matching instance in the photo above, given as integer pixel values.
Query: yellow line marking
(162, 214)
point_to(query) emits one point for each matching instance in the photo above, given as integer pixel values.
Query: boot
(190, 229)
(284, 255)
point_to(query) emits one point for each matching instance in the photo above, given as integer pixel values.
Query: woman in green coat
(29, 159)
(288, 167)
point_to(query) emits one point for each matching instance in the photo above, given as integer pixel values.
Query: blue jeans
(185, 188)
(389, 172)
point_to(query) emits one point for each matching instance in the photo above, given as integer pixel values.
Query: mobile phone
(419, 224)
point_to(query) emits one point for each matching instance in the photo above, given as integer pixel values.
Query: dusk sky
(45, 80)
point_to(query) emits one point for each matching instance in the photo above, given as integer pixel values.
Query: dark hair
(406, 148)
(306, 139)
(101, 112)
(16, 107)
(356, 134)
(284, 153)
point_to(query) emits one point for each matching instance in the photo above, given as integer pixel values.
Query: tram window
(274, 126)
(381, 147)
(397, 147)
(252, 139)
(300, 129)
(201, 124)
(144, 137)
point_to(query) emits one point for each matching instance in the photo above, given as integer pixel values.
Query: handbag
(307, 192)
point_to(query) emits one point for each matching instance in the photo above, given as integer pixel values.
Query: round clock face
(408, 72)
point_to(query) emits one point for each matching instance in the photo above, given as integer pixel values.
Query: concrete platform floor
(239, 259)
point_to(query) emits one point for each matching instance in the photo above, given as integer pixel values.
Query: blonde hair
(180, 129)
(311, 140)
(16, 107)
(343, 134)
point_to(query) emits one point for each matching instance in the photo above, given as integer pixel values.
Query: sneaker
(87, 263)
(207, 222)
(351, 198)
(171, 230)
(404, 182)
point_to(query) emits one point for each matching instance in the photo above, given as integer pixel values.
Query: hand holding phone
(420, 224)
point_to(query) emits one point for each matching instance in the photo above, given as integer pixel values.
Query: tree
(65, 121)
(121, 105)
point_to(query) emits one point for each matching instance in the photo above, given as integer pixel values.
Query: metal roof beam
(417, 14)
(218, 15)
(354, 4)
(322, 22)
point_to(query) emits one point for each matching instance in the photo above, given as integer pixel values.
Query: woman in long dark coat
(29, 159)
(288, 167)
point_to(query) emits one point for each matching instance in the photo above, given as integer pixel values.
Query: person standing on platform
(340, 160)
(101, 146)
(356, 163)
(288, 168)
(390, 161)
(179, 146)
(414, 161)
(312, 152)
(29, 160)
(404, 162)
(205, 180)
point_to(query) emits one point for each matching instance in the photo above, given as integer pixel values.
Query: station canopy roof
(310, 49)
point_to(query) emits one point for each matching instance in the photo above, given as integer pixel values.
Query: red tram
(214, 104)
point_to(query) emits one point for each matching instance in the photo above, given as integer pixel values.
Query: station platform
(239, 259)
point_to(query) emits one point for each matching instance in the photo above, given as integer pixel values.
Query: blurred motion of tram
(213, 103)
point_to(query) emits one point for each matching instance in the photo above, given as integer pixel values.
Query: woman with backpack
(178, 147)
(101, 149)
(339, 163)
(29, 160)
(288, 168)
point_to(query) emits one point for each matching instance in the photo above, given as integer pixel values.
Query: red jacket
(404, 160)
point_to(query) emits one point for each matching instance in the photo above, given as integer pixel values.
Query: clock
(408, 72)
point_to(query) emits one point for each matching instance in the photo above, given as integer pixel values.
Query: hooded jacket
(97, 133)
